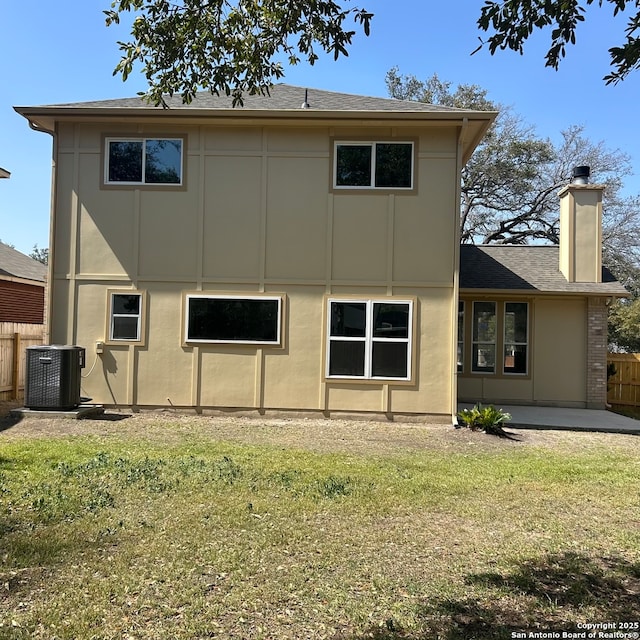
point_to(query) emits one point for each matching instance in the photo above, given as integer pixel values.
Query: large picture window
(369, 339)
(143, 161)
(125, 317)
(373, 165)
(233, 319)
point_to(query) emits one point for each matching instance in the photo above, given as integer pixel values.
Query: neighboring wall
(21, 302)
(258, 215)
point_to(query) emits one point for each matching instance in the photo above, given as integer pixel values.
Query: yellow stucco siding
(257, 214)
(172, 253)
(296, 218)
(360, 222)
(232, 218)
(556, 326)
(561, 329)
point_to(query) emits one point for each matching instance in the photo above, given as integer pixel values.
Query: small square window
(125, 322)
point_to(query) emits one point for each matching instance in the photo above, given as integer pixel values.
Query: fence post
(15, 374)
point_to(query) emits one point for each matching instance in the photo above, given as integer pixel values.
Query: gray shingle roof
(525, 268)
(281, 97)
(16, 265)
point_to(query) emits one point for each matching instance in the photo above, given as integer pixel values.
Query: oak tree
(230, 47)
(511, 22)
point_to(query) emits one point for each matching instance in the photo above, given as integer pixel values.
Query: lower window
(125, 317)
(496, 328)
(224, 319)
(369, 339)
(515, 337)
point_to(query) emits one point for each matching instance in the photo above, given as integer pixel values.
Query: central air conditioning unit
(53, 376)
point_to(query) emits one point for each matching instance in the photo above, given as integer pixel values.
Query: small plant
(470, 418)
(487, 419)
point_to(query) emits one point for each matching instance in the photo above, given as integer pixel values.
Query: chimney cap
(581, 174)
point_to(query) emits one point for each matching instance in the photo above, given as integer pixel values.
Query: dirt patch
(310, 433)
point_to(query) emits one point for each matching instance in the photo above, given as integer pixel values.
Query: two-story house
(300, 255)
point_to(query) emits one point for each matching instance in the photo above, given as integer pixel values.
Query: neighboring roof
(283, 101)
(4, 173)
(14, 264)
(525, 268)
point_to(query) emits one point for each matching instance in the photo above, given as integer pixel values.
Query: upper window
(369, 339)
(224, 319)
(125, 317)
(373, 165)
(149, 161)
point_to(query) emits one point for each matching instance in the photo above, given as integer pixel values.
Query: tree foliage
(239, 46)
(624, 326)
(41, 255)
(511, 22)
(510, 185)
(509, 191)
(229, 47)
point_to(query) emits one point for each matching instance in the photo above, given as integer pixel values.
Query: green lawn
(201, 538)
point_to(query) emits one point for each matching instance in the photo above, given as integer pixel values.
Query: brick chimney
(581, 229)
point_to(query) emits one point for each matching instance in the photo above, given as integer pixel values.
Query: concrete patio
(567, 419)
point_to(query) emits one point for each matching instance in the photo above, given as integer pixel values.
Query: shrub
(487, 419)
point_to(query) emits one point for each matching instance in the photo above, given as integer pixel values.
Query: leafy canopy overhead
(511, 22)
(229, 47)
(239, 46)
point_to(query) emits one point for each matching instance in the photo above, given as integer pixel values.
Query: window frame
(111, 315)
(279, 298)
(476, 343)
(373, 144)
(460, 351)
(124, 184)
(500, 369)
(369, 340)
(514, 342)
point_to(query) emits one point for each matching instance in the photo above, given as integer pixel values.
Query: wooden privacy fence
(14, 339)
(623, 387)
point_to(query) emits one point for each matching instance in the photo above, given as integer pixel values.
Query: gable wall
(257, 215)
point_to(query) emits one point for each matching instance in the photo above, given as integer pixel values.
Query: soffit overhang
(472, 125)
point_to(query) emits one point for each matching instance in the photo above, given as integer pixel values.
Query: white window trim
(372, 144)
(369, 339)
(142, 139)
(199, 296)
(113, 316)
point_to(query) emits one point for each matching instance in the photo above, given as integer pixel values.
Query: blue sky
(66, 54)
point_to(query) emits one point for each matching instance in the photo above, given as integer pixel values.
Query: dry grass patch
(191, 527)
